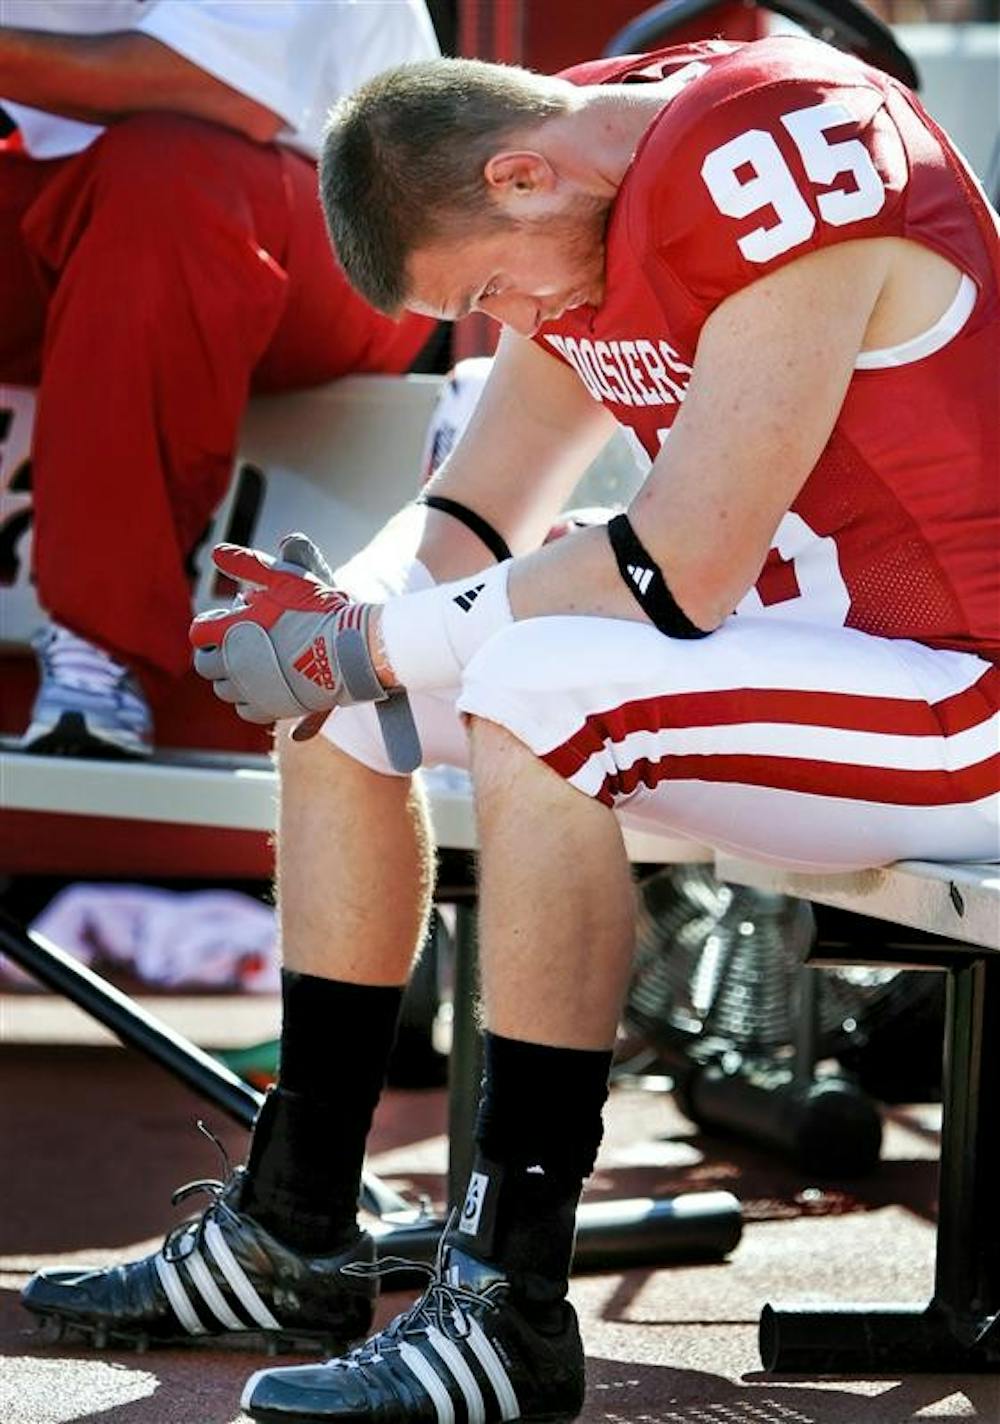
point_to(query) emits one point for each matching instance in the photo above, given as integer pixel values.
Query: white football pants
(812, 747)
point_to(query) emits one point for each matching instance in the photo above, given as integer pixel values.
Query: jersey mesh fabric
(898, 525)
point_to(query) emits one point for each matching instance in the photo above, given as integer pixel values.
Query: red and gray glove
(294, 646)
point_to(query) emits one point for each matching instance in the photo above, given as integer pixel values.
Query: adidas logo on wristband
(640, 577)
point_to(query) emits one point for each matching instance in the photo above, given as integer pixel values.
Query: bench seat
(240, 792)
(961, 902)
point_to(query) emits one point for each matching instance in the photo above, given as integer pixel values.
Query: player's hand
(299, 549)
(292, 645)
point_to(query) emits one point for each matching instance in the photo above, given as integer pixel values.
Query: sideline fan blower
(720, 991)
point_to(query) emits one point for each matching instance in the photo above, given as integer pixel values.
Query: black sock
(537, 1137)
(304, 1169)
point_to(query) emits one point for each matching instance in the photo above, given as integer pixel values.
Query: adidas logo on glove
(314, 664)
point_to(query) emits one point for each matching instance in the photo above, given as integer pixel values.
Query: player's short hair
(403, 157)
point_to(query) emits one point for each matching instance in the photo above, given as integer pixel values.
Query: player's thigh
(811, 746)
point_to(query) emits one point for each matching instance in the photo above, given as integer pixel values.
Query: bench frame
(958, 1331)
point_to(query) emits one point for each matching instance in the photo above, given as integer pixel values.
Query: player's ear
(518, 173)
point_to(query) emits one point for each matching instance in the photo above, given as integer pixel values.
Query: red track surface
(95, 1140)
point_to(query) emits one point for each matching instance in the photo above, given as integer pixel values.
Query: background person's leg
(162, 247)
(326, 330)
(23, 297)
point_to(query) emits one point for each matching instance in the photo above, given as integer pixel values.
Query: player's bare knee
(318, 766)
(494, 754)
(504, 767)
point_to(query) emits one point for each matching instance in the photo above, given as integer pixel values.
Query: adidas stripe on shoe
(219, 1276)
(462, 1354)
(87, 704)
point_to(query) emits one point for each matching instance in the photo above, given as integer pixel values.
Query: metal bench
(957, 909)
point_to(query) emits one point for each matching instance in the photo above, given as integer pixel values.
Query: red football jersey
(764, 152)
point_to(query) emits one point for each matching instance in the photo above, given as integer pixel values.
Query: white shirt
(296, 57)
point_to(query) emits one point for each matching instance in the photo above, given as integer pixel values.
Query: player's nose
(521, 313)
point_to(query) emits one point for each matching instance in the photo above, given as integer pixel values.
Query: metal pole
(968, 1236)
(138, 1029)
(53, 967)
(958, 1332)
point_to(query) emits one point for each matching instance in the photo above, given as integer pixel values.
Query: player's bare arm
(770, 376)
(99, 79)
(517, 483)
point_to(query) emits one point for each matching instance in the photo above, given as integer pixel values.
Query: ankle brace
(307, 1151)
(537, 1137)
(541, 1106)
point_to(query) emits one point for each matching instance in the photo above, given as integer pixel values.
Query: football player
(772, 267)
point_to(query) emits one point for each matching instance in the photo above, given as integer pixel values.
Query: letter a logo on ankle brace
(475, 1200)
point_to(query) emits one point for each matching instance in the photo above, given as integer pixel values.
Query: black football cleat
(462, 1354)
(218, 1277)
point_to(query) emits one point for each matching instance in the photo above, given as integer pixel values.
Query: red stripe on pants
(842, 780)
(844, 711)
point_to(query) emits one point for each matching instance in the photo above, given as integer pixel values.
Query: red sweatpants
(147, 285)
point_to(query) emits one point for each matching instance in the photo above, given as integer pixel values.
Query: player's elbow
(701, 598)
(709, 572)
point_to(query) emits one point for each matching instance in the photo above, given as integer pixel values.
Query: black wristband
(495, 542)
(641, 573)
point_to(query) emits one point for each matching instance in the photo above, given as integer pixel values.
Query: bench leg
(959, 1330)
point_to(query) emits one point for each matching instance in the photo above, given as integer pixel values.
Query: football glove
(292, 645)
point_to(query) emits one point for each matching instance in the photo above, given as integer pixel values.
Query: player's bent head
(403, 161)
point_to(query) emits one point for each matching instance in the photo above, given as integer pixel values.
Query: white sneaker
(88, 704)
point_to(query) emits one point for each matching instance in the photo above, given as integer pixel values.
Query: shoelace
(189, 1234)
(442, 1300)
(76, 663)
